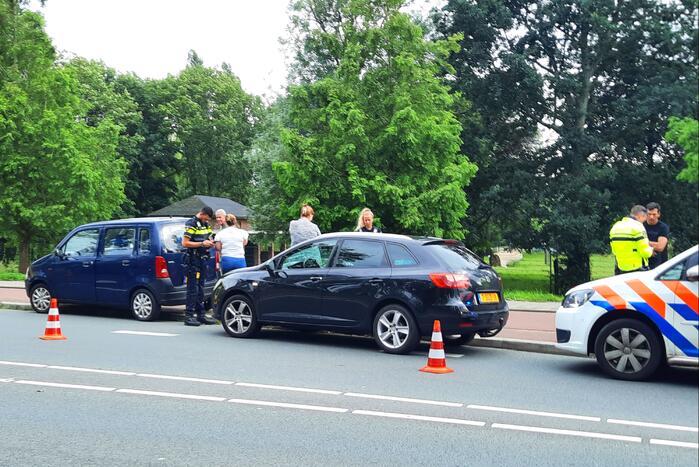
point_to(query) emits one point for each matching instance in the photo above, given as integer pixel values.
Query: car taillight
(448, 280)
(161, 268)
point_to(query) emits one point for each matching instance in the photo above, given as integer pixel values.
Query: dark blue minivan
(129, 263)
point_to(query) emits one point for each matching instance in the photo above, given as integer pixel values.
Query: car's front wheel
(40, 298)
(239, 318)
(395, 330)
(144, 306)
(628, 349)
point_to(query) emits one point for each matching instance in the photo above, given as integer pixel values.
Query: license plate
(490, 297)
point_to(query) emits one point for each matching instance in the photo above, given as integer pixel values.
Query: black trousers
(195, 271)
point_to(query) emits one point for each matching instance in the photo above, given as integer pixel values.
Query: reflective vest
(629, 243)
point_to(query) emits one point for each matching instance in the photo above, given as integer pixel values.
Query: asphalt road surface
(121, 392)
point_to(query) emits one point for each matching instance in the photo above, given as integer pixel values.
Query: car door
(356, 281)
(292, 292)
(72, 276)
(685, 316)
(116, 267)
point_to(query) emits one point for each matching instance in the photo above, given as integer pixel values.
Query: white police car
(634, 322)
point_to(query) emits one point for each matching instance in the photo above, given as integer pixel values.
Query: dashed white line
(677, 444)
(185, 378)
(556, 431)
(289, 388)
(654, 425)
(144, 333)
(63, 385)
(175, 395)
(404, 399)
(286, 405)
(91, 370)
(405, 416)
(33, 365)
(534, 412)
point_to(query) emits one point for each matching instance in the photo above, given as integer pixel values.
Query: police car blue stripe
(685, 311)
(668, 331)
(603, 304)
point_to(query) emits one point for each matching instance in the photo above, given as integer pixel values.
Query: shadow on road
(688, 377)
(167, 313)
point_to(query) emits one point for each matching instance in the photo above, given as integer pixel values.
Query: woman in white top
(231, 243)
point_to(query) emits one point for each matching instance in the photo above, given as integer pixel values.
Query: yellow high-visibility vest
(629, 243)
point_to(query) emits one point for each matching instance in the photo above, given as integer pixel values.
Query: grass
(528, 279)
(8, 272)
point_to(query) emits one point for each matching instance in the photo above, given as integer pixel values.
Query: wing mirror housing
(59, 253)
(693, 273)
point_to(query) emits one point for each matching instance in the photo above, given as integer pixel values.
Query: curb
(521, 345)
(15, 306)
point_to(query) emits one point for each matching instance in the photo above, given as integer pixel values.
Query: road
(194, 396)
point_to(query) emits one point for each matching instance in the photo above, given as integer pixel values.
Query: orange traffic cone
(436, 361)
(53, 324)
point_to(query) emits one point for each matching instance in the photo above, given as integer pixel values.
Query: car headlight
(577, 298)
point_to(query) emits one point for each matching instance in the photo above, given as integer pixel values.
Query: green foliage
(685, 133)
(371, 123)
(8, 272)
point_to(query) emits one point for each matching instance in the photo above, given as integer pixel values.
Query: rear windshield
(171, 237)
(457, 257)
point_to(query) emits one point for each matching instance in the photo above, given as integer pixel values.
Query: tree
(372, 124)
(685, 133)
(57, 171)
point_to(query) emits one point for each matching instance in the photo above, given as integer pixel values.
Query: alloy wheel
(393, 329)
(238, 316)
(41, 298)
(627, 350)
(142, 305)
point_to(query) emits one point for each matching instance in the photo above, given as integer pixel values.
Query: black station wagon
(392, 287)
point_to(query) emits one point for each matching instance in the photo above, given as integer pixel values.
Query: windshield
(457, 257)
(171, 237)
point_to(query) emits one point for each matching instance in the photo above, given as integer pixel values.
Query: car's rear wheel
(456, 340)
(395, 330)
(239, 318)
(40, 298)
(628, 349)
(144, 306)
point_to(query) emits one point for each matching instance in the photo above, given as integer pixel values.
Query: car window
(144, 241)
(119, 241)
(672, 274)
(171, 237)
(313, 255)
(456, 256)
(400, 256)
(361, 254)
(83, 243)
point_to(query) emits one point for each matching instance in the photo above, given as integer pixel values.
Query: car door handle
(87, 264)
(316, 278)
(125, 262)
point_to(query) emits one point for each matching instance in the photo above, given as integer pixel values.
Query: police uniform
(630, 245)
(195, 261)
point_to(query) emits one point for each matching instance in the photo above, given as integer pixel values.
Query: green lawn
(528, 279)
(8, 272)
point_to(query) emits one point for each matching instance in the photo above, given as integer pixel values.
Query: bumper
(573, 327)
(457, 320)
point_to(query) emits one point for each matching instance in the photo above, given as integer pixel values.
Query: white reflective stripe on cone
(436, 353)
(53, 325)
(53, 311)
(436, 337)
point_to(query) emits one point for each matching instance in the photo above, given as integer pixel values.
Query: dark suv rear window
(457, 257)
(171, 237)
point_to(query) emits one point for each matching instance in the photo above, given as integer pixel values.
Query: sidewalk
(531, 326)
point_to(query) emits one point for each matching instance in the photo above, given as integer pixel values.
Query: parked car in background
(129, 263)
(633, 323)
(392, 287)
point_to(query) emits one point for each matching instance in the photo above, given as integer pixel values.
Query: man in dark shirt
(658, 235)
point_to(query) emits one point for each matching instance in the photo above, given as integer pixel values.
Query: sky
(153, 37)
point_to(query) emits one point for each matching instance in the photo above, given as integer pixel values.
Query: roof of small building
(190, 206)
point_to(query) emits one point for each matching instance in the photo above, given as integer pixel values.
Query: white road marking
(454, 355)
(91, 370)
(6, 380)
(534, 412)
(33, 365)
(63, 385)
(556, 431)
(678, 444)
(285, 405)
(171, 394)
(404, 399)
(144, 333)
(185, 378)
(654, 425)
(288, 388)
(455, 421)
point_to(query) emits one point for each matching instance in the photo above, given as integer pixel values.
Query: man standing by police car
(629, 242)
(197, 240)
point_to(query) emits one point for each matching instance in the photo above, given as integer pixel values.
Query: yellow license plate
(490, 297)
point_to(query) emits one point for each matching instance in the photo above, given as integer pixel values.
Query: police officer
(197, 240)
(629, 242)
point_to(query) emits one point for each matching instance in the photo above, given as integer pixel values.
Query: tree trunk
(24, 243)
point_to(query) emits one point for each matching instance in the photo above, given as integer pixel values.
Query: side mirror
(59, 253)
(693, 273)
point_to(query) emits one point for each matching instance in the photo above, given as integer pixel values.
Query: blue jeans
(229, 263)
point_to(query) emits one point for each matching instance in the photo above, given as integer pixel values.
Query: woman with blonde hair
(231, 243)
(303, 228)
(365, 222)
